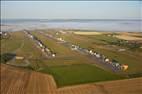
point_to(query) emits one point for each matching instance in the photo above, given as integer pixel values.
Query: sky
(71, 9)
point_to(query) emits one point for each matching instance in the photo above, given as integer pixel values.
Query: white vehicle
(53, 55)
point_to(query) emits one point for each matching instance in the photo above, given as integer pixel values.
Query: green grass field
(77, 74)
(64, 55)
(21, 45)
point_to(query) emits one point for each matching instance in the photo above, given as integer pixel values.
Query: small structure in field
(31, 36)
(57, 33)
(121, 50)
(60, 39)
(63, 32)
(19, 58)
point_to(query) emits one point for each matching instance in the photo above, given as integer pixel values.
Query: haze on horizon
(71, 9)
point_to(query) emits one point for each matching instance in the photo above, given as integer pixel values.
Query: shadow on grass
(135, 75)
(6, 57)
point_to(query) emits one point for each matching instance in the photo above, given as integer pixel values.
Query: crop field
(15, 80)
(77, 61)
(103, 44)
(88, 33)
(128, 37)
(77, 74)
(59, 74)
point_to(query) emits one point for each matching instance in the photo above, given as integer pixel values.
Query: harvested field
(127, 37)
(129, 86)
(88, 33)
(13, 81)
(131, 33)
(17, 81)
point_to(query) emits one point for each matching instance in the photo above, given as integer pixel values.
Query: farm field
(81, 60)
(79, 74)
(20, 45)
(15, 80)
(106, 44)
(69, 71)
(77, 47)
(65, 59)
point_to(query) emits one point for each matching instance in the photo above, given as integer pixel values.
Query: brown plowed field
(21, 81)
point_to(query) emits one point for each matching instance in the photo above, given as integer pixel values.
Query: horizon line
(63, 19)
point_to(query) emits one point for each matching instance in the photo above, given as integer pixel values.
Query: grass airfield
(103, 44)
(70, 67)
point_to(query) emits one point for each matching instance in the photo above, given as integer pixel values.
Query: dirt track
(21, 81)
